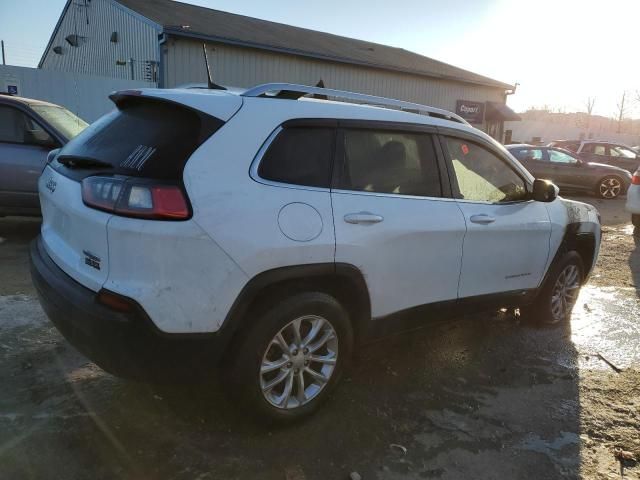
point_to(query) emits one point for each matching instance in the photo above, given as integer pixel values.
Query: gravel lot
(482, 397)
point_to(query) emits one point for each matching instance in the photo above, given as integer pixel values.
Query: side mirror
(544, 191)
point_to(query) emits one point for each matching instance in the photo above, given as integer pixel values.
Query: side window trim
(339, 157)
(255, 164)
(455, 190)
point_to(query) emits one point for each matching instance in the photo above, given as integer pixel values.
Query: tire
(545, 309)
(635, 220)
(610, 187)
(260, 349)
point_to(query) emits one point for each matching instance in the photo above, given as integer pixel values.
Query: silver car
(29, 130)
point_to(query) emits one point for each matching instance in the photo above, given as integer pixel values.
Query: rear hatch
(145, 141)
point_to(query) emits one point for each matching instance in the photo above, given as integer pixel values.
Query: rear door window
(390, 162)
(300, 156)
(144, 138)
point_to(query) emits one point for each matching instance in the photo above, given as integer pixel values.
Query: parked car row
(269, 236)
(597, 151)
(567, 170)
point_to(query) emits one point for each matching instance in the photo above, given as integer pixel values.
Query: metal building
(161, 41)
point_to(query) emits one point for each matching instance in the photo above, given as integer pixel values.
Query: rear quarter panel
(241, 214)
(183, 280)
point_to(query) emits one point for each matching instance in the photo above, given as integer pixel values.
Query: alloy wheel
(299, 362)
(565, 292)
(610, 188)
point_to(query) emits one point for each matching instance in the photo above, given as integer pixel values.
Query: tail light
(132, 197)
(635, 180)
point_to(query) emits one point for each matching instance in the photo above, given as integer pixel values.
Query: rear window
(300, 156)
(144, 138)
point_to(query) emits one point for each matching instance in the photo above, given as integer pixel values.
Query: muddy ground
(480, 397)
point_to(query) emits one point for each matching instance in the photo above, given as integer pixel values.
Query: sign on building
(472, 112)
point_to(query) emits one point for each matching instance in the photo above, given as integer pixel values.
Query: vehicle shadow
(15, 235)
(480, 396)
(634, 260)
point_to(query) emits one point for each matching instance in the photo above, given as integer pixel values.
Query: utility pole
(4, 62)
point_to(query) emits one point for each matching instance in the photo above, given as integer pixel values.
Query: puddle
(536, 444)
(606, 320)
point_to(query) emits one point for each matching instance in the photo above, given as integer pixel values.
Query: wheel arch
(580, 237)
(343, 281)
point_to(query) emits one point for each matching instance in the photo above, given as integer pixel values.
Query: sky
(560, 52)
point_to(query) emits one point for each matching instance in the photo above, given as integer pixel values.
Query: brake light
(132, 197)
(635, 180)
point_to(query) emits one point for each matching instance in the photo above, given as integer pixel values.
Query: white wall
(525, 130)
(85, 95)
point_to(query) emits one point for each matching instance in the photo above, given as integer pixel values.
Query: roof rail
(274, 89)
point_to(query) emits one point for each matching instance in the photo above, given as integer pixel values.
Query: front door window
(483, 177)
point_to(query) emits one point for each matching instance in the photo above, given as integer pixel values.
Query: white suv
(273, 234)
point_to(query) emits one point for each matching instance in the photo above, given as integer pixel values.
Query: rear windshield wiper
(83, 162)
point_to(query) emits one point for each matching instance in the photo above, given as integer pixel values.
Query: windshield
(61, 119)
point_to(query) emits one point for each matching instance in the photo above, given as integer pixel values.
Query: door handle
(365, 218)
(482, 219)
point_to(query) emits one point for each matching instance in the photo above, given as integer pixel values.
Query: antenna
(320, 84)
(210, 84)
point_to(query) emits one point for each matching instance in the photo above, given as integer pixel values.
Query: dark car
(599, 151)
(29, 129)
(569, 172)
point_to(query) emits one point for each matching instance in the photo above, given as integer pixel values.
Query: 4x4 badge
(51, 185)
(92, 260)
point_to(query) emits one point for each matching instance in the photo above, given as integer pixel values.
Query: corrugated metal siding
(96, 54)
(85, 95)
(244, 67)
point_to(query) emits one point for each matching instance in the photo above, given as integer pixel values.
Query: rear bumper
(124, 344)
